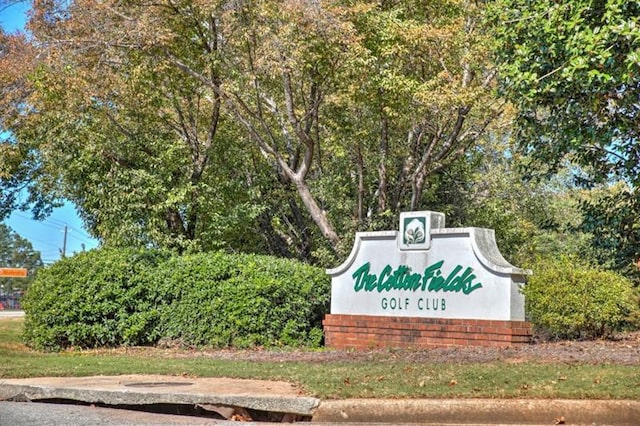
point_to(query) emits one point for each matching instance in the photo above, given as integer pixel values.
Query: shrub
(243, 300)
(566, 298)
(112, 297)
(98, 298)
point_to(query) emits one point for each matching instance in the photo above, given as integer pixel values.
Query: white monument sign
(427, 270)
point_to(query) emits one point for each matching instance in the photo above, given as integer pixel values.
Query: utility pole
(64, 242)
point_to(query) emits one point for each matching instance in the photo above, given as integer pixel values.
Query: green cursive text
(402, 278)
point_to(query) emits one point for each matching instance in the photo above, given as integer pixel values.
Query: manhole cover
(157, 384)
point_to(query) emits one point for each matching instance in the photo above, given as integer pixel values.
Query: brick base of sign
(369, 332)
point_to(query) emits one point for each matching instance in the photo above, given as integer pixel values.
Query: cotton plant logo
(414, 230)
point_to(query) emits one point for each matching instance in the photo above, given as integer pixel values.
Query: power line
(71, 234)
(56, 224)
(42, 222)
(54, 221)
(82, 234)
(45, 243)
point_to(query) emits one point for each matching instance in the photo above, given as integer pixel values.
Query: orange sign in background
(13, 272)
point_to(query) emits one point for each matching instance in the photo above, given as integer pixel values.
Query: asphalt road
(31, 413)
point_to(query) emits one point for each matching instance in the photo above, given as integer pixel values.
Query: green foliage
(611, 216)
(566, 298)
(113, 297)
(571, 70)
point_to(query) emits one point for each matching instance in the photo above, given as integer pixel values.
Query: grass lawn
(383, 376)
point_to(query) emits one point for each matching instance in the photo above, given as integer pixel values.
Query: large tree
(572, 68)
(419, 102)
(257, 125)
(430, 92)
(19, 163)
(98, 117)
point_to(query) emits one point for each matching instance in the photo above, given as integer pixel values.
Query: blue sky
(13, 17)
(46, 236)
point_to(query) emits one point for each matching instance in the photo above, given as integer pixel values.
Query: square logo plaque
(415, 231)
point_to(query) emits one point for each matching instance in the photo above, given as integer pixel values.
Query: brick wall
(368, 332)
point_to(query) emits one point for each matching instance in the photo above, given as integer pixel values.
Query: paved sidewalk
(261, 395)
(229, 397)
(11, 314)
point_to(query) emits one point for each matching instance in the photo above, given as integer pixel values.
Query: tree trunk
(382, 166)
(417, 187)
(317, 214)
(361, 189)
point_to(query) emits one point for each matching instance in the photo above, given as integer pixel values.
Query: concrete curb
(479, 411)
(283, 397)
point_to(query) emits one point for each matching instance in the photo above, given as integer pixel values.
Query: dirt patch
(624, 350)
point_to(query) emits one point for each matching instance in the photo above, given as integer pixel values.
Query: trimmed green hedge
(567, 298)
(113, 297)
(94, 299)
(242, 300)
